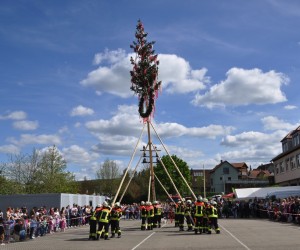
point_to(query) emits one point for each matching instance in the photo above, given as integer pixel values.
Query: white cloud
(112, 56)
(175, 73)
(273, 123)
(77, 125)
(125, 122)
(244, 87)
(177, 76)
(116, 145)
(63, 130)
(9, 149)
(246, 139)
(176, 130)
(16, 115)
(81, 111)
(115, 78)
(36, 139)
(253, 154)
(182, 153)
(77, 154)
(290, 107)
(252, 146)
(26, 125)
(119, 135)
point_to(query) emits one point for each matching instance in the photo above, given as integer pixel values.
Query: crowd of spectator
(19, 224)
(282, 210)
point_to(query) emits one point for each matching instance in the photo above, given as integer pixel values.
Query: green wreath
(149, 108)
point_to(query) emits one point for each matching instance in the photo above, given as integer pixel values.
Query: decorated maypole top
(144, 75)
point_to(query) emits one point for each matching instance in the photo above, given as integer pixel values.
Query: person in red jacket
(198, 215)
(157, 214)
(115, 216)
(150, 215)
(103, 217)
(143, 210)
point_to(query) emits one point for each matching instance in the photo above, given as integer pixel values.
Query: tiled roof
(239, 165)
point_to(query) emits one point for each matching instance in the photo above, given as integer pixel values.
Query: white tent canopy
(261, 193)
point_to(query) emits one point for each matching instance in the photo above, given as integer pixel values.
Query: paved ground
(235, 235)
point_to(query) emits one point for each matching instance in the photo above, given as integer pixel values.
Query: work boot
(112, 236)
(119, 235)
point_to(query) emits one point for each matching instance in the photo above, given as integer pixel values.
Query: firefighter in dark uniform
(143, 215)
(213, 217)
(93, 223)
(198, 215)
(115, 216)
(177, 207)
(103, 217)
(181, 208)
(205, 216)
(157, 214)
(150, 215)
(188, 215)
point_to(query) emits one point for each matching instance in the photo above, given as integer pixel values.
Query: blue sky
(229, 72)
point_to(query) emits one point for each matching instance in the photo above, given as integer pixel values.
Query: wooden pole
(127, 169)
(178, 170)
(204, 188)
(151, 163)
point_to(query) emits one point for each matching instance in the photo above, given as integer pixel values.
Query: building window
(285, 147)
(198, 173)
(296, 140)
(293, 164)
(221, 178)
(229, 178)
(277, 169)
(298, 160)
(281, 167)
(287, 164)
(225, 170)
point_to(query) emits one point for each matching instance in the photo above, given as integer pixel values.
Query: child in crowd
(33, 225)
(1, 232)
(63, 223)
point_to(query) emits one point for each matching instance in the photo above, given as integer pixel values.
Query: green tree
(108, 174)
(177, 179)
(51, 175)
(21, 169)
(9, 186)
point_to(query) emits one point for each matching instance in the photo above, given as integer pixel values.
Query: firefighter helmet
(213, 203)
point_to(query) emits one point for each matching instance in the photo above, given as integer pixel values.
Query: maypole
(144, 79)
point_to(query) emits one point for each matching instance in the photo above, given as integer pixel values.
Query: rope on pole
(173, 162)
(149, 188)
(130, 180)
(168, 174)
(164, 188)
(129, 164)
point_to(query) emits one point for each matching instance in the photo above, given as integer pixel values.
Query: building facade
(228, 176)
(287, 164)
(200, 181)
